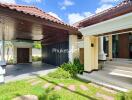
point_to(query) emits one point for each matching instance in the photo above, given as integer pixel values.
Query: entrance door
(130, 50)
(22, 55)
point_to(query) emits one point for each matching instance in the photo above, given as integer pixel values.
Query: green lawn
(24, 87)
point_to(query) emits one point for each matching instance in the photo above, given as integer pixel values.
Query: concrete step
(113, 80)
(119, 63)
(102, 82)
(110, 67)
(125, 72)
(104, 76)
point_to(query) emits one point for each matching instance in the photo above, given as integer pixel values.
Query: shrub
(60, 74)
(73, 68)
(37, 45)
(68, 70)
(120, 96)
(128, 96)
(36, 58)
(10, 61)
(80, 67)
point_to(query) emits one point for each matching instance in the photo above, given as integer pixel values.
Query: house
(106, 35)
(22, 25)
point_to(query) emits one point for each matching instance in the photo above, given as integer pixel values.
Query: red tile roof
(32, 10)
(122, 8)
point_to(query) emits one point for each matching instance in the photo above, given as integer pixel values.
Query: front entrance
(121, 46)
(22, 55)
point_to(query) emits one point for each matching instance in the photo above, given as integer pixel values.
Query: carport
(28, 23)
(23, 24)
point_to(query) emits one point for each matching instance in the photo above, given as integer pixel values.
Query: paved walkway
(21, 71)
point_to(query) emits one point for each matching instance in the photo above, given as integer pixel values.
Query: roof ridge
(29, 6)
(18, 5)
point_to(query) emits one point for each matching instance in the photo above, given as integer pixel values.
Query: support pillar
(2, 62)
(73, 48)
(30, 55)
(110, 47)
(90, 53)
(102, 55)
(14, 54)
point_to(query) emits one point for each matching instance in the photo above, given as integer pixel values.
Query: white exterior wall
(22, 45)
(73, 48)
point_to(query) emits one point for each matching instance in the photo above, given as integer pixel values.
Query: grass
(18, 88)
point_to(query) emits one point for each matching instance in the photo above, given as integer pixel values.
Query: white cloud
(55, 15)
(66, 3)
(31, 1)
(75, 17)
(103, 7)
(108, 1)
(8, 1)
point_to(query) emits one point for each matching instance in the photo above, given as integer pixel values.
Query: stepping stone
(94, 85)
(109, 90)
(83, 87)
(72, 87)
(26, 97)
(57, 88)
(31, 80)
(61, 84)
(46, 85)
(35, 83)
(105, 97)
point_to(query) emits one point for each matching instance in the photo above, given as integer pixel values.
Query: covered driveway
(28, 23)
(24, 24)
(22, 71)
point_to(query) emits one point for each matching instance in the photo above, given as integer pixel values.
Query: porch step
(124, 72)
(102, 83)
(127, 64)
(120, 65)
(104, 78)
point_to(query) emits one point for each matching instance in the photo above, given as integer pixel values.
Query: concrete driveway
(22, 71)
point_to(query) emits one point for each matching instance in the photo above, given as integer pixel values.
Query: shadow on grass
(81, 94)
(81, 80)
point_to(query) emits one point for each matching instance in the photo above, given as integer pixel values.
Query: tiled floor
(21, 71)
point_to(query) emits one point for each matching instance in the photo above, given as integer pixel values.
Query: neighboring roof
(33, 11)
(121, 9)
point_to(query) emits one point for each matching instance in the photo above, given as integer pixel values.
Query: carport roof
(34, 11)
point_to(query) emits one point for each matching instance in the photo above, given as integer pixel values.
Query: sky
(69, 11)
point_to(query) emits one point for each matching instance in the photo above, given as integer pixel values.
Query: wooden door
(124, 46)
(81, 57)
(22, 55)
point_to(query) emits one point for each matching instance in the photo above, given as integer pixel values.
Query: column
(96, 53)
(87, 54)
(30, 55)
(102, 55)
(2, 50)
(73, 48)
(90, 53)
(14, 54)
(2, 62)
(110, 47)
